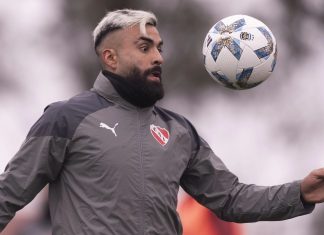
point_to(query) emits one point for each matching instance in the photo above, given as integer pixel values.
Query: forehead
(133, 34)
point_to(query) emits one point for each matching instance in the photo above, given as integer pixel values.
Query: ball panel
(248, 58)
(210, 64)
(226, 63)
(222, 79)
(268, 49)
(252, 37)
(263, 71)
(244, 75)
(249, 21)
(229, 26)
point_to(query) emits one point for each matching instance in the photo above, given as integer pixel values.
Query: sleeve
(37, 163)
(209, 181)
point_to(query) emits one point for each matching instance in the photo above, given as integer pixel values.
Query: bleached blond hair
(121, 19)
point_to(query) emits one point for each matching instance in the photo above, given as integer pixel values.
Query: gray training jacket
(113, 168)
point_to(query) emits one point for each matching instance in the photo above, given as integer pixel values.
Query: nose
(158, 58)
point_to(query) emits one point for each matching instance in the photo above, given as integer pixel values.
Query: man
(114, 160)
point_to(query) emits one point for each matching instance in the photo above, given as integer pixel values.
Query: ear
(109, 58)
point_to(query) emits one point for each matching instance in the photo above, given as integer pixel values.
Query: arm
(211, 184)
(38, 162)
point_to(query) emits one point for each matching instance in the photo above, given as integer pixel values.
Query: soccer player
(114, 160)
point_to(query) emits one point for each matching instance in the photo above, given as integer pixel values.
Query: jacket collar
(104, 88)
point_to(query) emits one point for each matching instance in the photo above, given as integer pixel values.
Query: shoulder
(85, 102)
(61, 118)
(168, 115)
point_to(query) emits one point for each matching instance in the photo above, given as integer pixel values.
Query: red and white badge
(161, 135)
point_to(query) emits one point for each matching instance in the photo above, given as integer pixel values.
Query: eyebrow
(149, 40)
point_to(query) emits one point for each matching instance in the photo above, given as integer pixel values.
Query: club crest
(161, 135)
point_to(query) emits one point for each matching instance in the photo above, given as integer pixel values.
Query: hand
(312, 187)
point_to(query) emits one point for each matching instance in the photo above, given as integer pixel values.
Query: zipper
(140, 143)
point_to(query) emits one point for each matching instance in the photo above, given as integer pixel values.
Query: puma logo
(112, 129)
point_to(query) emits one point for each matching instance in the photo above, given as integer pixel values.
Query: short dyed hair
(120, 19)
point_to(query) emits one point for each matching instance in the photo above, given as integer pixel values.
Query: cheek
(129, 62)
(124, 64)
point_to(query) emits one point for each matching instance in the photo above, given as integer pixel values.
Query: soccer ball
(239, 52)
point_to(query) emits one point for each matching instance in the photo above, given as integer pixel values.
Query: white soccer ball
(240, 52)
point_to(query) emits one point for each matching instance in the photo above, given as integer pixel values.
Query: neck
(136, 89)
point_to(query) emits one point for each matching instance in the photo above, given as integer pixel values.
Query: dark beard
(136, 88)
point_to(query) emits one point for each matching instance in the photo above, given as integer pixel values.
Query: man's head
(122, 19)
(129, 45)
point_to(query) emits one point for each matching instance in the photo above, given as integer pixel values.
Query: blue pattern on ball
(219, 27)
(217, 47)
(245, 74)
(267, 50)
(233, 46)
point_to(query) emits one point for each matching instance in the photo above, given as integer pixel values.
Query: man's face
(137, 60)
(141, 53)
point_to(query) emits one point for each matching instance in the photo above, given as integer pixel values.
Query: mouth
(155, 74)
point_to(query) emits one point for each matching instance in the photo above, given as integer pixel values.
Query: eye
(160, 49)
(144, 48)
